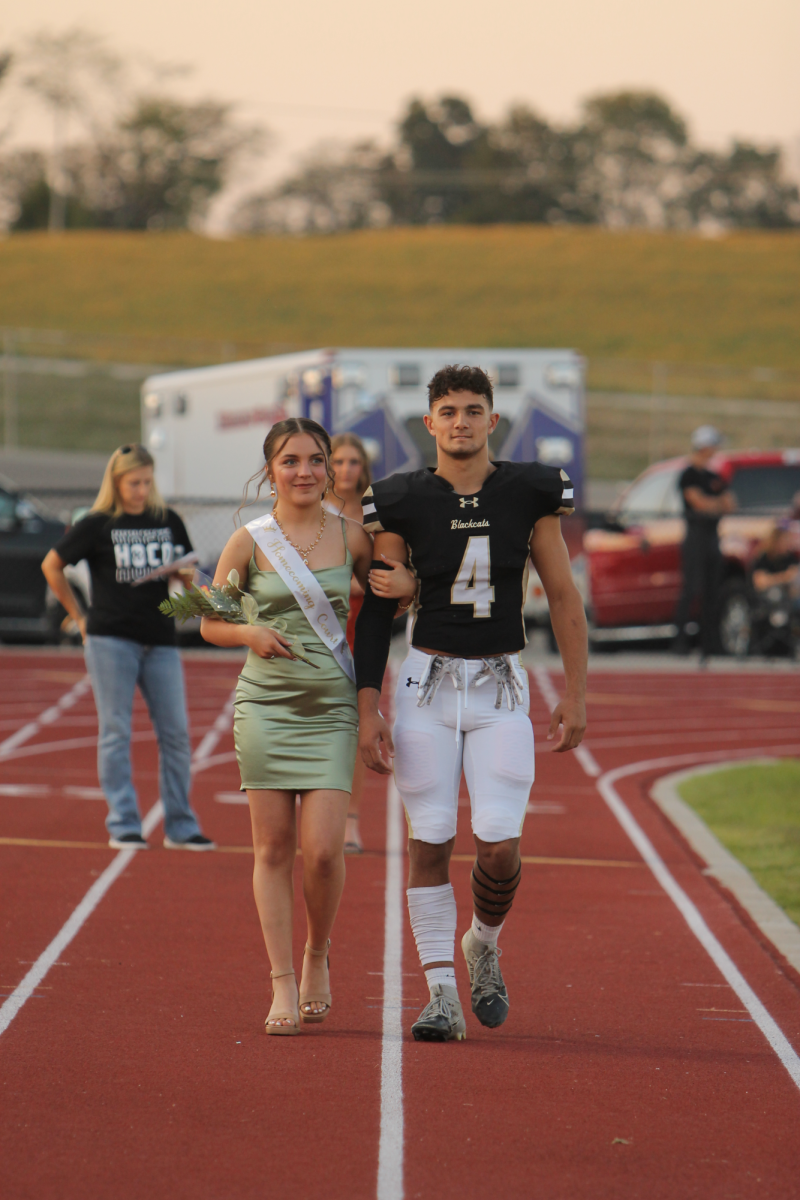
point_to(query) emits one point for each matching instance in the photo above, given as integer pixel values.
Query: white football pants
(494, 748)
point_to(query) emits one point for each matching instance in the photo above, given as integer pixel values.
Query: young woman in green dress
(296, 725)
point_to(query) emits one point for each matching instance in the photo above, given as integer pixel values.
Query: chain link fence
(78, 392)
(72, 391)
(625, 433)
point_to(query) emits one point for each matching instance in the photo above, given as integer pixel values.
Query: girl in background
(350, 466)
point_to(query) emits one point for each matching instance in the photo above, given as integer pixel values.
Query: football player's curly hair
(460, 379)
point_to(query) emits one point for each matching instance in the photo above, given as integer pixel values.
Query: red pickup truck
(633, 562)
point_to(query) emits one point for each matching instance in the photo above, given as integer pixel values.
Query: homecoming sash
(314, 604)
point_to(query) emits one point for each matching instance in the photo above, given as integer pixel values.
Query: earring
(271, 487)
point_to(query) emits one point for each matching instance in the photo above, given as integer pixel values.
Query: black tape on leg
(499, 882)
(494, 901)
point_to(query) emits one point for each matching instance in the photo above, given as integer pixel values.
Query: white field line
(686, 907)
(773, 922)
(390, 1147)
(97, 891)
(83, 743)
(215, 759)
(142, 735)
(551, 698)
(701, 736)
(51, 714)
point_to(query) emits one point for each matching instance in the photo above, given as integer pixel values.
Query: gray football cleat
(489, 994)
(442, 1019)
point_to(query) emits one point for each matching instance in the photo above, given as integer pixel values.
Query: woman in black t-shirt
(128, 534)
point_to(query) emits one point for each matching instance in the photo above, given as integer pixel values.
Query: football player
(467, 529)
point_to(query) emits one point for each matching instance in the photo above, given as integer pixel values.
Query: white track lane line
(686, 907)
(97, 891)
(551, 699)
(51, 714)
(390, 1149)
(390, 1145)
(143, 735)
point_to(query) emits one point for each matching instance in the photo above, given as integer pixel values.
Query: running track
(630, 1065)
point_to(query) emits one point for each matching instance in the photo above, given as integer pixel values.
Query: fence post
(10, 406)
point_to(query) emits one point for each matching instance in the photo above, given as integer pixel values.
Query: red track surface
(626, 1068)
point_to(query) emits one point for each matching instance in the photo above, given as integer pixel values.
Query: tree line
(143, 158)
(146, 159)
(628, 161)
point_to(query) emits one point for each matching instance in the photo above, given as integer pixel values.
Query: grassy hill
(681, 298)
(625, 300)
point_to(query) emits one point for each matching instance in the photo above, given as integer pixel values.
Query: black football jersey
(470, 553)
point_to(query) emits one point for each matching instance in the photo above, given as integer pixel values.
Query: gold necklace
(303, 553)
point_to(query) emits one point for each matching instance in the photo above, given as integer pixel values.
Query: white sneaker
(442, 1019)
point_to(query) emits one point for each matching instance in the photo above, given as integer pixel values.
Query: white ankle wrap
(433, 921)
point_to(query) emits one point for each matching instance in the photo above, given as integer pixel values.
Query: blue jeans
(116, 666)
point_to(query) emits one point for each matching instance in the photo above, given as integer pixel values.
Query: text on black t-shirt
(120, 550)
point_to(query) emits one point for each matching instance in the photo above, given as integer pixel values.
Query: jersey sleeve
(369, 512)
(553, 492)
(384, 505)
(566, 506)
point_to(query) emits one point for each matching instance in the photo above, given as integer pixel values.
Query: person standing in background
(775, 579)
(127, 534)
(706, 497)
(350, 466)
(778, 564)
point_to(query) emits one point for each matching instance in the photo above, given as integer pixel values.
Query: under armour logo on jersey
(471, 500)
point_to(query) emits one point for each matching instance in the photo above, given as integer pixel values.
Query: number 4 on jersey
(471, 585)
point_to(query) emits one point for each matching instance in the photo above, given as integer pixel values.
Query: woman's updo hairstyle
(274, 442)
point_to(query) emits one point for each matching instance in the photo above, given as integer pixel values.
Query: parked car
(28, 610)
(633, 562)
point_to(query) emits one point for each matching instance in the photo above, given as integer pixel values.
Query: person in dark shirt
(468, 529)
(775, 576)
(128, 534)
(779, 562)
(706, 498)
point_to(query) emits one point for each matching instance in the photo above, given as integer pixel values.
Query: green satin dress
(295, 728)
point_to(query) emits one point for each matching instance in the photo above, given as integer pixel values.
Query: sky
(320, 70)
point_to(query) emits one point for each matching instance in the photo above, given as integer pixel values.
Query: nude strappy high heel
(315, 1018)
(283, 1030)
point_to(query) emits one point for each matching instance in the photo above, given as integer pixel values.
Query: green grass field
(633, 295)
(625, 300)
(755, 813)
